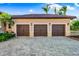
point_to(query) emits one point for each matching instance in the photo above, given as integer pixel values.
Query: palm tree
(46, 9)
(60, 11)
(55, 10)
(5, 20)
(63, 10)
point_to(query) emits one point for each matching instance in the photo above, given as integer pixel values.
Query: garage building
(41, 25)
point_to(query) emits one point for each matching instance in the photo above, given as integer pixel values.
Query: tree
(63, 10)
(74, 25)
(60, 12)
(6, 19)
(55, 10)
(46, 9)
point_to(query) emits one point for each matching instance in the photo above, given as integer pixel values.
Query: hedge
(6, 36)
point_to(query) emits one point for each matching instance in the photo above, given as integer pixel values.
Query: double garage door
(41, 30)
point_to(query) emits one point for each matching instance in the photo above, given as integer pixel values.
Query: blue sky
(36, 8)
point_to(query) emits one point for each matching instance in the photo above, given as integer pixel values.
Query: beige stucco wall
(49, 23)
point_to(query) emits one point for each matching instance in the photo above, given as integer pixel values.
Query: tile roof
(45, 16)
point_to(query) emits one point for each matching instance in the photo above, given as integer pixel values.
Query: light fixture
(49, 23)
(31, 24)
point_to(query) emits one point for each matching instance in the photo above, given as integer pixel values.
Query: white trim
(23, 23)
(59, 23)
(40, 23)
(50, 30)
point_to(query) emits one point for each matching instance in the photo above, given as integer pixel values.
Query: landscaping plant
(6, 36)
(5, 19)
(46, 9)
(74, 25)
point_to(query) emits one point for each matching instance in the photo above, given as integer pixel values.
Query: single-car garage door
(40, 30)
(22, 30)
(58, 30)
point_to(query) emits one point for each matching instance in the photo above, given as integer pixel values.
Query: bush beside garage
(6, 36)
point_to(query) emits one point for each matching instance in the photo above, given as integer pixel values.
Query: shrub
(74, 25)
(6, 36)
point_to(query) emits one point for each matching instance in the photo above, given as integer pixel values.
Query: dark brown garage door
(40, 30)
(58, 30)
(22, 30)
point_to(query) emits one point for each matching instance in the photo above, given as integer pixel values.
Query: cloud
(55, 5)
(70, 8)
(59, 6)
(77, 4)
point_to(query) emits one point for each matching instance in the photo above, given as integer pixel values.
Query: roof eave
(43, 17)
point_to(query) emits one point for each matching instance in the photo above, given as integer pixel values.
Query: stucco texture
(49, 23)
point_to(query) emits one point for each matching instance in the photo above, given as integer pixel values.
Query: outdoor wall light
(31, 24)
(67, 23)
(49, 23)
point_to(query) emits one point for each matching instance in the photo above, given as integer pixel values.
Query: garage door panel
(22, 30)
(58, 30)
(40, 30)
(19, 33)
(26, 30)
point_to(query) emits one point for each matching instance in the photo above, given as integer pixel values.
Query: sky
(36, 8)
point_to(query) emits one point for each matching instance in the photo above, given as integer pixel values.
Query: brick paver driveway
(40, 46)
